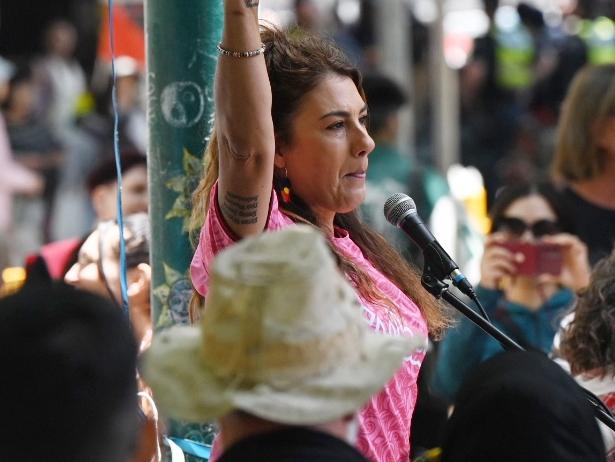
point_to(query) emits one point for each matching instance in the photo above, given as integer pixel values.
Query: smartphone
(539, 258)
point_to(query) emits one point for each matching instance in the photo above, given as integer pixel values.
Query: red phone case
(540, 258)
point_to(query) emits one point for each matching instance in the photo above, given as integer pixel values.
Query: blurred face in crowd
(98, 270)
(96, 264)
(62, 39)
(134, 195)
(532, 209)
(307, 14)
(127, 92)
(326, 161)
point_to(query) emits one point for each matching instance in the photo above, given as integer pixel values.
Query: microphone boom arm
(432, 282)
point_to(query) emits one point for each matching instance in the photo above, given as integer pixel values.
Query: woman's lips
(359, 175)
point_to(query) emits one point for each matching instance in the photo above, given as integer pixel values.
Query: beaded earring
(286, 188)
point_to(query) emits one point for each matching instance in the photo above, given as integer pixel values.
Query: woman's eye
(364, 120)
(336, 126)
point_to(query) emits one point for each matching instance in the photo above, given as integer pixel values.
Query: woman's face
(326, 161)
(86, 274)
(535, 213)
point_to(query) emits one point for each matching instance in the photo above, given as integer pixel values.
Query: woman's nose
(527, 236)
(364, 143)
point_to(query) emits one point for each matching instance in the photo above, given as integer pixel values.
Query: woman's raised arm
(244, 126)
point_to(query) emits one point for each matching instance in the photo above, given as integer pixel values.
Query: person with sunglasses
(530, 270)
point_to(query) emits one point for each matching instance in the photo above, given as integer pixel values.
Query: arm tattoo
(251, 3)
(241, 210)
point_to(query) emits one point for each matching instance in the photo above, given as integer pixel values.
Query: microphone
(400, 211)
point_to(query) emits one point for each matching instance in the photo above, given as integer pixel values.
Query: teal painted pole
(181, 38)
(181, 59)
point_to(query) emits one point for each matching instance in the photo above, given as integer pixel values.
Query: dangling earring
(286, 188)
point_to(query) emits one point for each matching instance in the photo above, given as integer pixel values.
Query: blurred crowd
(537, 147)
(56, 132)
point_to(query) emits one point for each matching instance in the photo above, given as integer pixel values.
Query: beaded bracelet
(241, 54)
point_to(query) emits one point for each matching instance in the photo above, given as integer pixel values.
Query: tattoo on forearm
(241, 210)
(251, 3)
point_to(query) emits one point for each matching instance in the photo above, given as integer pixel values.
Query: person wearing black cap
(391, 170)
(521, 406)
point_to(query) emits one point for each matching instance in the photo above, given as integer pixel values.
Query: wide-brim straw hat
(282, 337)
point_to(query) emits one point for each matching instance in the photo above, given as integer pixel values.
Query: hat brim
(185, 389)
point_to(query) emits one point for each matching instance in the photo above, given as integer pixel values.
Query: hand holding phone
(497, 262)
(538, 258)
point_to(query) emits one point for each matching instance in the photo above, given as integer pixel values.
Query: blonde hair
(296, 63)
(589, 103)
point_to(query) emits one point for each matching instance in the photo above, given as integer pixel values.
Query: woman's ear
(279, 160)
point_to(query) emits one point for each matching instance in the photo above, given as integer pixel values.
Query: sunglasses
(518, 227)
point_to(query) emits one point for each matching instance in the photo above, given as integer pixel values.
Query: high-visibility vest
(515, 56)
(599, 36)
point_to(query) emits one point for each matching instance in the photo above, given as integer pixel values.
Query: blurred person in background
(98, 269)
(62, 96)
(392, 171)
(525, 302)
(60, 77)
(98, 125)
(102, 185)
(14, 178)
(131, 106)
(54, 259)
(588, 340)
(584, 160)
(499, 73)
(308, 16)
(69, 380)
(36, 147)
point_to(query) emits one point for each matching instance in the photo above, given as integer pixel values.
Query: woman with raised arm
(291, 145)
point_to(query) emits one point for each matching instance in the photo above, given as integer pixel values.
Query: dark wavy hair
(296, 63)
(588, 343)
(509, 194)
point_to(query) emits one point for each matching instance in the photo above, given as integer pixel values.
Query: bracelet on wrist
(241, 54)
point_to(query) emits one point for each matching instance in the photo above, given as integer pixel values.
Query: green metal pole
(181, 38)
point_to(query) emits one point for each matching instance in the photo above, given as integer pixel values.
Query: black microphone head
(397, 207)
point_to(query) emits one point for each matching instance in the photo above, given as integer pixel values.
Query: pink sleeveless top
(384, 422)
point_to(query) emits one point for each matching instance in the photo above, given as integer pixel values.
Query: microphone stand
(432, 281)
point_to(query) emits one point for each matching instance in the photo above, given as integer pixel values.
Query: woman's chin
(352, 202)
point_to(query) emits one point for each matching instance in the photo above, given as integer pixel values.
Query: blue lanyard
(118, 167)
(192, 448)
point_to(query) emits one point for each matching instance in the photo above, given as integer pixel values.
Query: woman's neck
(325, 221)
(527, 292)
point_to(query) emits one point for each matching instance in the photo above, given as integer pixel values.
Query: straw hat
(282, 337)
